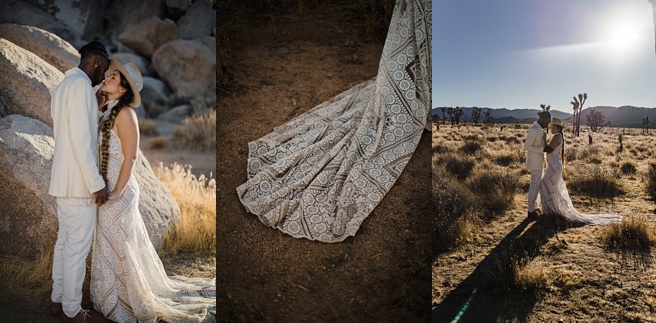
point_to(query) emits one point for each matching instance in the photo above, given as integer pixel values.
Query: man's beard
(96, 76)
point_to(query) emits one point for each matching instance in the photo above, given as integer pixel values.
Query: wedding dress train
(319, 175)
(128, 281)
(555, 198)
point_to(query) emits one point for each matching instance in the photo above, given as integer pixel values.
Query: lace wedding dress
(319, 175)
(128, 282)
(555, 198)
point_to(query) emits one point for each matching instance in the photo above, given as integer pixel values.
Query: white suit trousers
(534, 189)
(77, 219)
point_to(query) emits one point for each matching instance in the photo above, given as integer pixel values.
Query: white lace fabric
(321, 174)
(555, 198)
(128, 281)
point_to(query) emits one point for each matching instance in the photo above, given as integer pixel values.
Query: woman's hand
(114, 195)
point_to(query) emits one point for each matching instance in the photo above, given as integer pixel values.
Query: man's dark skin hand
(101, 196)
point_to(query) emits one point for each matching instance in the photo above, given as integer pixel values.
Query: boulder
(83, 17)
(28, 216)
(21, 13)
(178, 5)
(140, 62)
(154, 93)
(177, 114)
(187, 66)
(147, 36)
(28, 213)
(27, 82)
(122, 15)
(198, 21)
(42, 43)
(156, 204)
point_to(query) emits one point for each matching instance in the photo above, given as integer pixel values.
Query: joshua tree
(443, 109)
(458, 113)
(545, 107)
(596, 120)
(476, 115)
(578, 107)
(645, 124)
(488, 117)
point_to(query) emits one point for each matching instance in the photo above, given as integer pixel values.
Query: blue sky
(521, 53)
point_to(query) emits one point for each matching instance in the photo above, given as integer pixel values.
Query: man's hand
(101, 196)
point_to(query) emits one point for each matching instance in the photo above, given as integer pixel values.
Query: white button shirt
(75, 116)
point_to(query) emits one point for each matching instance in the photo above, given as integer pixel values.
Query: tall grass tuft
(597, 182)
(651, 180)
(196, 196)
(29, 276)
(459, 166)
(197, 132)
(634, 233)
(494, 190)
(453, 211)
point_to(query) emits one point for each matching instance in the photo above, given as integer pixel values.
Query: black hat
(94, 47)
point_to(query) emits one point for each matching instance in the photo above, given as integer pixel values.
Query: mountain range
(624, 116)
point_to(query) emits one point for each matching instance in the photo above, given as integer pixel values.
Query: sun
(623, 36)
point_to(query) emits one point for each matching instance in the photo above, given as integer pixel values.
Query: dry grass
(628, 168)
(634, 233)
(29, 276)
(157, 143)
(651, 181)
(596, 182)
(197, 132)
(147, 127)
(196, 197)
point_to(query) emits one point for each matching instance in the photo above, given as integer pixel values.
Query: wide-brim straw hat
(557, 122)
(132, 74)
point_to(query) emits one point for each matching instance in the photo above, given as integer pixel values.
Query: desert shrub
(196, 197)
(634, 233)
(494, 190)
(31, 276)
(197, 132)
(512, 140)
(458, 165)
(589, 153)
(472, 145)
(510, 158)
(628, 168)
(453, 211)
(157, 143)
(597, 182)
(651, 181)
(510, 270)
(147, 127)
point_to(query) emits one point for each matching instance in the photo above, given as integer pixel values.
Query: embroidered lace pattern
(555, 198)
(319, 175)
(128, 282)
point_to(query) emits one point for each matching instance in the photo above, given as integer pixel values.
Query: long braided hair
(108, 123)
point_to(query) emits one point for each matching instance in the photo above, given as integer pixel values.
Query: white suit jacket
(75, 115)
(534, 146)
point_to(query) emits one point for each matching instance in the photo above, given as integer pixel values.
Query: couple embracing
(550, 187)
(98, 203)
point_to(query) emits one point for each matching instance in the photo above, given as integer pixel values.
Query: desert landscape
(492, 264)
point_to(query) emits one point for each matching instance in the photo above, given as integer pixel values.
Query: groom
(534, 145)
(75, 180)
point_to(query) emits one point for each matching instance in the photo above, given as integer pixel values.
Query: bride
(128, 282)
(321, 174)
(553, 192)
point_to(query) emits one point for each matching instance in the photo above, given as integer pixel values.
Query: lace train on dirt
(555, 198)
(319, 175)
(128, 282)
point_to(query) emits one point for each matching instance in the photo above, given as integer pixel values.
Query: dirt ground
(283, 65)
(584, 281)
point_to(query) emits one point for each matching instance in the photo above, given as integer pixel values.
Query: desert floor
(285, 64)
(567, 274)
